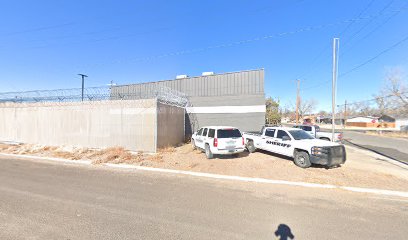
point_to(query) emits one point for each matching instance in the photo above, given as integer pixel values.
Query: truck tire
(326, 139)
(301, 159)
(193, 144)
(250, 146)
(208, 152)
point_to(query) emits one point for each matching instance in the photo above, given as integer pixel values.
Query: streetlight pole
(334, 82)
(83, 76)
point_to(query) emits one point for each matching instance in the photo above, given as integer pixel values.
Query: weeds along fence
(101, 117)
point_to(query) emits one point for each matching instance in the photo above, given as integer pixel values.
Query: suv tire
(208, 152)
(250, 146)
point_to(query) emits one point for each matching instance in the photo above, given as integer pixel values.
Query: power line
(328, 47)
(375, 57)
(369, 22)
(403, 8)
(236, 43)
(370, 100)
(362, 64)
(37, 29)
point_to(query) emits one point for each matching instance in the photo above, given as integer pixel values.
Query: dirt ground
(360, 170)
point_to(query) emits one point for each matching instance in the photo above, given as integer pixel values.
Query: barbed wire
(94, 95)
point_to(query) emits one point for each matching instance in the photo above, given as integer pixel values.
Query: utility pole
(83, 76)
(297, 100)
(334, 81)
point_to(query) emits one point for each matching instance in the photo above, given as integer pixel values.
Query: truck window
(200, 132)
(307, 128)
(300, 134)
(228, 133)
(270, 132)
(281, 134)
(211, 133)
(205, 132)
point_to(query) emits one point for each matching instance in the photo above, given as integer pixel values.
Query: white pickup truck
(297, 144)
(314, 130)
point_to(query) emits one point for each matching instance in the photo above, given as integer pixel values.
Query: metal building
(233, 99)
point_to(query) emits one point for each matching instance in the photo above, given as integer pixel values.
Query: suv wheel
(193, 144)
(250, 146)
(208, 152)
(302, 160)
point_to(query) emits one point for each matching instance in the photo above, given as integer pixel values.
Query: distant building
(230, 99)
(383, 121)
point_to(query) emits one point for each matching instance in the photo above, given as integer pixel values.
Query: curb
(378, 156)
(223, 177)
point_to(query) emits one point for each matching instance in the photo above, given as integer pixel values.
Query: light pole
(83, 76)
(334, 82)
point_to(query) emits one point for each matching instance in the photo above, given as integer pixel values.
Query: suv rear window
(228, 133)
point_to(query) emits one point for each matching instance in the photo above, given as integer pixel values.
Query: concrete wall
(131, 124)
(170, 125)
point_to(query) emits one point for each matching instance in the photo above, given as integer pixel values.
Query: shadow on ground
(284, 232)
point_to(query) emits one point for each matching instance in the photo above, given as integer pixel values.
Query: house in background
(400, 121)
(383, 121)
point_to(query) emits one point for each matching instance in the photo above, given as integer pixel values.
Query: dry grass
(168, 149)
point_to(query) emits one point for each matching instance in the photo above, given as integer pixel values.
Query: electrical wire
(375, 57)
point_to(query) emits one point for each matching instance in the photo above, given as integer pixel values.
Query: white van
(218, 140)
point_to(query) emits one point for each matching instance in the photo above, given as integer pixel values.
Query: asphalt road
(390, 147)
(42, 200)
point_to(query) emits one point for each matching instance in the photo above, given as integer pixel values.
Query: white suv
(218, 140)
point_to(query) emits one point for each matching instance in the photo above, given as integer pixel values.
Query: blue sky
(44, 44)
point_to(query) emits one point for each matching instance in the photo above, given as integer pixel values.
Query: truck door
(283, 143)
(267, 139)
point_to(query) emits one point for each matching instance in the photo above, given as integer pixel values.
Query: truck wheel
(193, 144)
(326, 139)
(302, 160)
(250, 146)
(208, 152)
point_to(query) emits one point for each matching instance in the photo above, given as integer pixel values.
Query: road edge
(218, 176)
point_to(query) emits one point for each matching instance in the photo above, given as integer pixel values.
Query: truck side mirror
(285, 138)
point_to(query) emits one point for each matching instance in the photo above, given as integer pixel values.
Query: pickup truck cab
(218, 140)
(297, 144)
(314, 130)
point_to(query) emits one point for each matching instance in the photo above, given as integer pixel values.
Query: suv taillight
(243, 141)
(215, 142)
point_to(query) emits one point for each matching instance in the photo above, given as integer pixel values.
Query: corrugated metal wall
(235, 83)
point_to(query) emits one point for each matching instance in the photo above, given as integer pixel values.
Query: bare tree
(307, 107)
(393, 98)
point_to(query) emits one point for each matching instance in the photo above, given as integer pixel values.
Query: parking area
(360, 170)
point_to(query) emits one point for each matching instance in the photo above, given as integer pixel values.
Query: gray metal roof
(249, 82)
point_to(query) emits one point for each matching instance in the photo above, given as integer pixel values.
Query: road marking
(224, 177)
(82, 162)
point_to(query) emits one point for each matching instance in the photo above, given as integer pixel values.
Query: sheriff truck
(297, 144)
